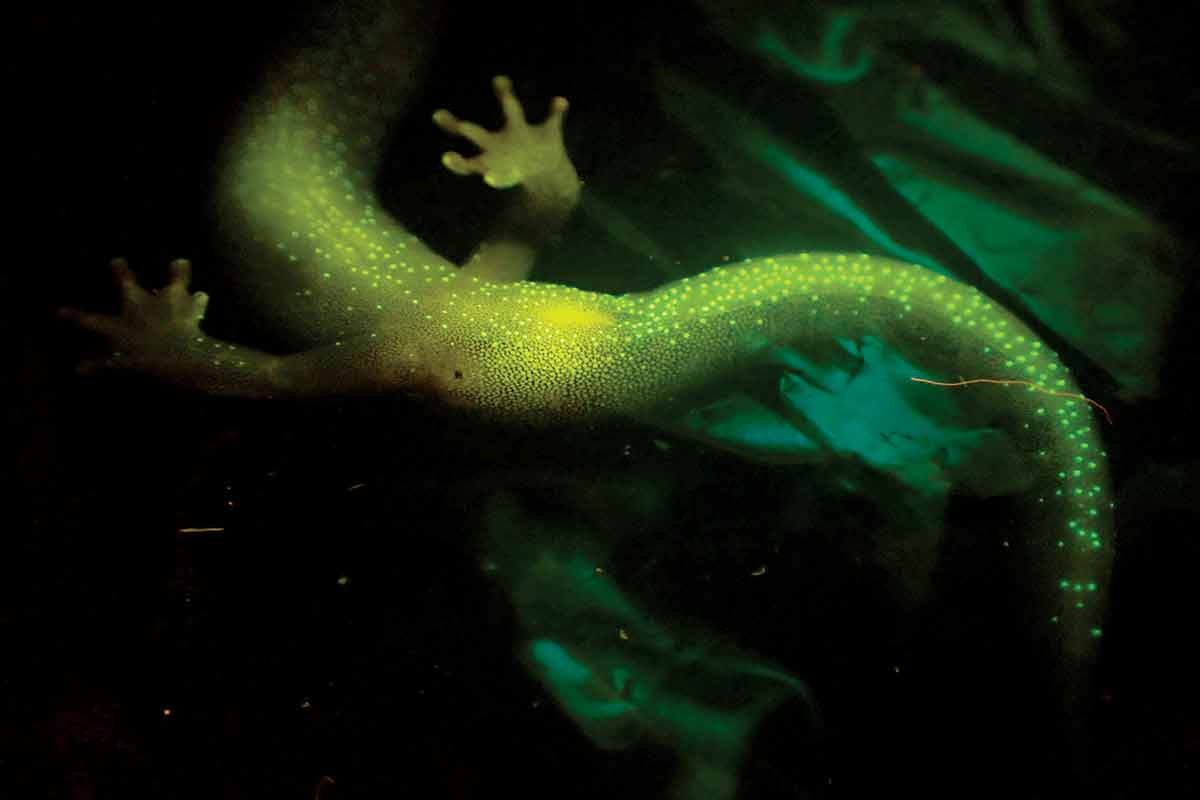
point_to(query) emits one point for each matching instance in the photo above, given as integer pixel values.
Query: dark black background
(401, 682)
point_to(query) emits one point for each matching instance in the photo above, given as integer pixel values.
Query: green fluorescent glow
(829, 66)
(819, 187)
(619, 673)
(331, 261)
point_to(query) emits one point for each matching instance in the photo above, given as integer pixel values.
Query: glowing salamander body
(332, 265)
(300, 178)
(536, 352)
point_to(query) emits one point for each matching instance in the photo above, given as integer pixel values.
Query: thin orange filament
(1005, 382)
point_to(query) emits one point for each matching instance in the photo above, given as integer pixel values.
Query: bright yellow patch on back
(572, 315)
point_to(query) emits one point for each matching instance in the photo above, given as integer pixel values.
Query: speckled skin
(538, 352)
(334, 266)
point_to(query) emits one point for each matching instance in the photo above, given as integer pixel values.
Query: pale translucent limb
(157, 333)
(529, 158)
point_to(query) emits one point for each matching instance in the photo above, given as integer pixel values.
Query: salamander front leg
(532, 160)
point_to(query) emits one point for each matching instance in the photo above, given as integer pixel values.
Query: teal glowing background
(815, 133)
